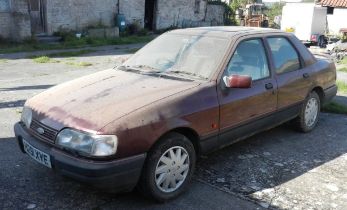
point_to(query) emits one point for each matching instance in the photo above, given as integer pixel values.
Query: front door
(37, 16)
(241, 110)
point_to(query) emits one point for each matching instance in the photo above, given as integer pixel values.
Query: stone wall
(15, 22)
(5, 24)
(134, 11)
(176, 13)
(215, 14)
(79, 14)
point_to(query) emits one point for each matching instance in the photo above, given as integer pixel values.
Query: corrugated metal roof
(334, 3)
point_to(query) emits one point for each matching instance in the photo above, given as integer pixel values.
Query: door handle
(269, 86)
(305, 75)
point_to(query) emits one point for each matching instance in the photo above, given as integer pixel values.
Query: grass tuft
(336, 108)
(71, 43)
(343, 61)
(3, 60)
(42, 59)
(342, 86)
(343, 69)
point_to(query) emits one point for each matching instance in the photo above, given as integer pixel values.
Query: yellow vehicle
(253, 16)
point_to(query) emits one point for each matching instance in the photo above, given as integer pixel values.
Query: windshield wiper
(128, 68)
(186, 73)
(143, 67)
(138, 69)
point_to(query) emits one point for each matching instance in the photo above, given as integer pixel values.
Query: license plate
(37, 155)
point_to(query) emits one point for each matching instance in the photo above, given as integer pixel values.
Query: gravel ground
(279, 168)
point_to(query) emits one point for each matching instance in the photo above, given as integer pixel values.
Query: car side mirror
(238, 81)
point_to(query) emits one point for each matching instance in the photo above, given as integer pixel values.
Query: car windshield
(193, 57)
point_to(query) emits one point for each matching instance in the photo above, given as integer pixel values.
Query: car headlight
(27, 116)
(90, 144)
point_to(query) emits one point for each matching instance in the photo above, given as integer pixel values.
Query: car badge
(40, 130)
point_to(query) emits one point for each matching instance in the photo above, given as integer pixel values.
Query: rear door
(241, 110)
(293, 79)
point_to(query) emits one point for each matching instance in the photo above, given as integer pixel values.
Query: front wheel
(309, 114)
(169, 168)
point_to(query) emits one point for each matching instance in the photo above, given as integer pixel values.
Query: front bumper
(114, 175)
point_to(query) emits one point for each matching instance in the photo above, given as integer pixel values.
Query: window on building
(5, 5)
(330, 10)
(197, 6)
(285, 57)
(249, 59)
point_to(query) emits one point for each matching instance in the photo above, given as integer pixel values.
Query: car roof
(224, 31)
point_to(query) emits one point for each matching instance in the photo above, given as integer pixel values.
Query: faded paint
(139, 109)
(114, 92)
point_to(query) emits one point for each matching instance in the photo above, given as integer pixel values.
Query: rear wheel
(309, 114)
(169, 168)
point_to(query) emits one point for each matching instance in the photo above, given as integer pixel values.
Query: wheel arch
(319, 90)
(188, 132)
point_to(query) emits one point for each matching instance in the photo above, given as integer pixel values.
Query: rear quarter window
(285, 57)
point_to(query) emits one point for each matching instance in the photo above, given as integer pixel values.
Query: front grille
(48, 135)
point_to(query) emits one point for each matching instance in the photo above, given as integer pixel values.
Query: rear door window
(285, 57)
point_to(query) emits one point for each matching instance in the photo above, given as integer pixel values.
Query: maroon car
(186, 93)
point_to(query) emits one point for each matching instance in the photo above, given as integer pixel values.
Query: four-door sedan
(186, 93)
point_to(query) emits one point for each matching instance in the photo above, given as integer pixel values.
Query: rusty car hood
(90, 102)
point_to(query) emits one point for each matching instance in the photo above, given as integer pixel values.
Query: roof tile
(334, 3)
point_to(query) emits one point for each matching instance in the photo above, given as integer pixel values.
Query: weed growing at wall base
(71, 43)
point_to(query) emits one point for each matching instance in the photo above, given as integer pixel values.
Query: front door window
(249, 59)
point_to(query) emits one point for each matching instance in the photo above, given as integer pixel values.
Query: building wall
(79, 14)
(337, 20)
(215, 14)
(15, 20)
(188, 13)
(5, 24)
(134, 11)
(176, 13)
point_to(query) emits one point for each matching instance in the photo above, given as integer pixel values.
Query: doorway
(150, 9)
(37, 10)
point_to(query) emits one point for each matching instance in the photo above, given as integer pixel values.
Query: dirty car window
(249, 59)
(190, 55)
(285, 57)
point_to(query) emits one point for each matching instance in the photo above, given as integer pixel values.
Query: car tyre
(172, 159)
(309, 113)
